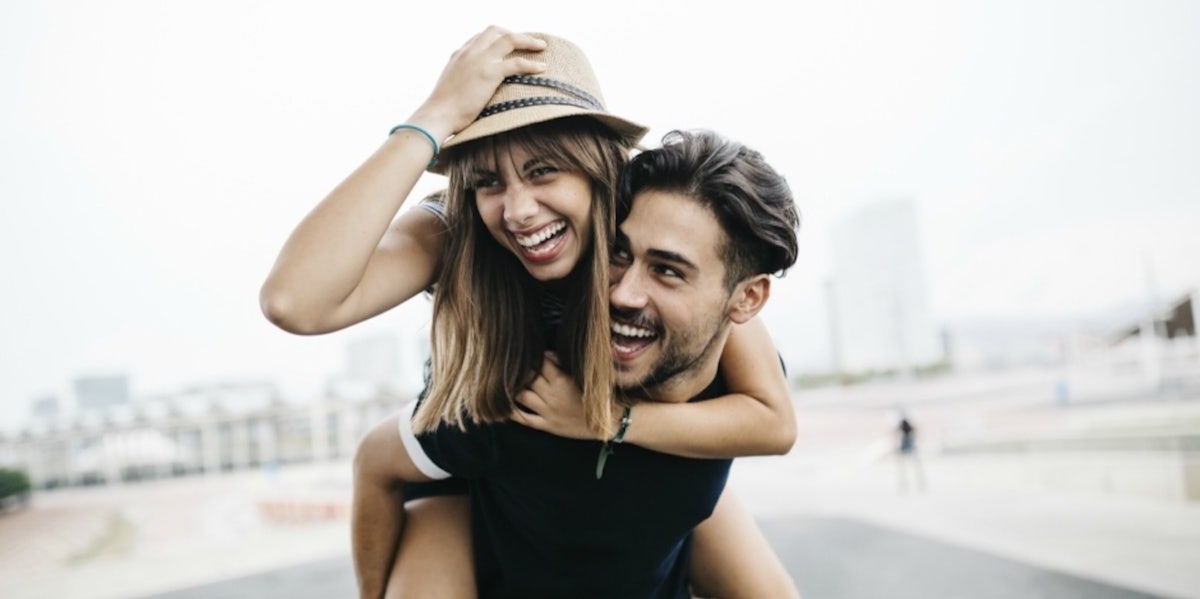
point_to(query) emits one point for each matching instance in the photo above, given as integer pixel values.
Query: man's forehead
(672, 222)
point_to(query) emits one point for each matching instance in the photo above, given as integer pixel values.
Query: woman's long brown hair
(487, 339)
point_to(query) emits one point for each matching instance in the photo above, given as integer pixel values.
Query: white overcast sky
(154, 155)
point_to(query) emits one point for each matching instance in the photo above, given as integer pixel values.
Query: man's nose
(626, 290)
(519, 205)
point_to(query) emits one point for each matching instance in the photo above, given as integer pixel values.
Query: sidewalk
(141, 539)
(169, 534)
(1147, 545)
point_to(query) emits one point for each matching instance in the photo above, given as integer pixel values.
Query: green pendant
(605, 451)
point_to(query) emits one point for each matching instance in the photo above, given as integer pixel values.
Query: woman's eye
(541, 171)
(486, 183)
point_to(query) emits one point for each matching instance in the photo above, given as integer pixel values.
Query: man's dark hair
(751, 201)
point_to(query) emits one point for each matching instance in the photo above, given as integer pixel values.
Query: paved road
(845, 559)
(831, 558)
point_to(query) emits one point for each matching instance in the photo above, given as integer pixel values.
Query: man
(707, 222)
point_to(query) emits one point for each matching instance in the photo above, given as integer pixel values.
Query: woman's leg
(731, 558)
(434, 559)
(415, 548)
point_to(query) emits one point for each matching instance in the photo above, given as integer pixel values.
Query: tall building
(45, 407)
(391, 360)
(100, 392)
(881, 317)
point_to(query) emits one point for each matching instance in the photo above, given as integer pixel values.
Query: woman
(529, 240)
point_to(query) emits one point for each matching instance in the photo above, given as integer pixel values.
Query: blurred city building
(98, 392)
(880, 314)
(44, 407)
(1158, 350)
(385, 361)
(109, 437)
(1115, 411)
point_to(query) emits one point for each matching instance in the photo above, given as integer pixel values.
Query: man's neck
(682, 387)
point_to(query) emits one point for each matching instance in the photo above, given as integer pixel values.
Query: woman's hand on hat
(472, 76)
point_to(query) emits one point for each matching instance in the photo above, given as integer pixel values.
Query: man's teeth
(625, 330)
(540, 236)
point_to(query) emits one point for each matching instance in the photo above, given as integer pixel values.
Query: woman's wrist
(439, 125)
(624, 420)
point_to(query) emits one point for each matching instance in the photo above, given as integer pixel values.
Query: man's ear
(749, 297)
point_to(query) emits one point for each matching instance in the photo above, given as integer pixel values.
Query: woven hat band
(581, 99)
(534, 101)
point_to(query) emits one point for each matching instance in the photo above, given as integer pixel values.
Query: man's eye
(620, 257)
(667, 271)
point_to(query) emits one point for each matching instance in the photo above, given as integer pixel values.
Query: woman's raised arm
(351, 258)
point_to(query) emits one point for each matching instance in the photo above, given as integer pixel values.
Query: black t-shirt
(545, 526)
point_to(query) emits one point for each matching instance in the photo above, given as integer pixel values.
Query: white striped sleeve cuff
(415, 452)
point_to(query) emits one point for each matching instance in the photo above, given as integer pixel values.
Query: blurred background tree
(14, 487)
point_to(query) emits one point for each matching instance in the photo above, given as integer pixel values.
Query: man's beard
(675, 359)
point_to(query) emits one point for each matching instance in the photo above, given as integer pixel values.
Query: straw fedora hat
(568, 87)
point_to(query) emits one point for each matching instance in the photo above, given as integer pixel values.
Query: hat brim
(494, 124)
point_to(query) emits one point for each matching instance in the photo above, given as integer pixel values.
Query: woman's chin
(551, 267)
(547, 272)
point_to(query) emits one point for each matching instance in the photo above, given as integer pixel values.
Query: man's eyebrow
(622, 241)
(668, 256)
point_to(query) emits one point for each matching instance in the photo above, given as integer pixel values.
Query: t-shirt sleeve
(436, 204)
(448, 450)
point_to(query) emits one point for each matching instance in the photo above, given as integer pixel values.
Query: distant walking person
(907, 460)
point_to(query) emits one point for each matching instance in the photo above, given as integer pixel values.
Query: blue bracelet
(437, 147)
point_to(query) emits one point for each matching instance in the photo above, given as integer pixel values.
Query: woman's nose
(519, 205)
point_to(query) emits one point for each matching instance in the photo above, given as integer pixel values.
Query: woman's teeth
(528, 241)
